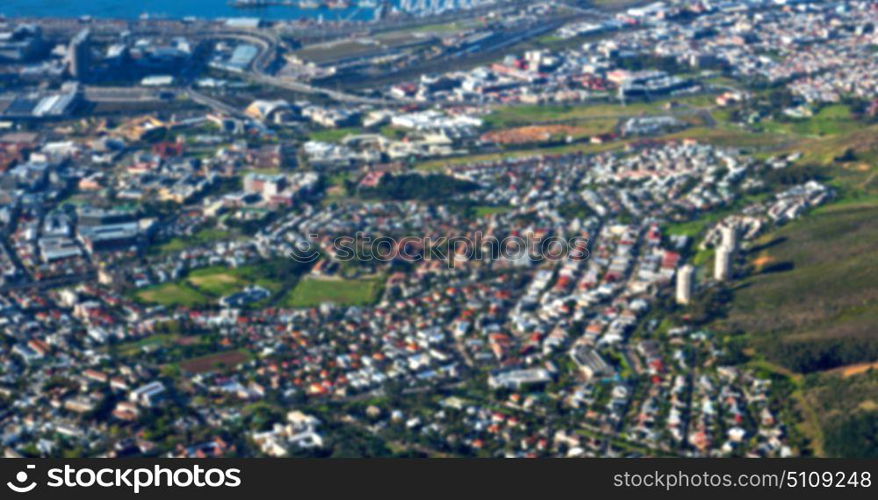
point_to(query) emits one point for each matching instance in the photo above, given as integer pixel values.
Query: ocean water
(171, 9)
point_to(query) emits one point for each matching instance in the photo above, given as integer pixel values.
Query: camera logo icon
(21, 478)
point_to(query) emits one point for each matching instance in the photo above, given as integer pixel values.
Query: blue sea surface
(171, 9)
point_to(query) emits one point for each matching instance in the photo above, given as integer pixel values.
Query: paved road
(120, 94)
(68, 280)
(215, 104)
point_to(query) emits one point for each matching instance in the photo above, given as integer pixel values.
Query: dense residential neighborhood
(493, 230)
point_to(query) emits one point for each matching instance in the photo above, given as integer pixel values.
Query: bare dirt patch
(214, 361)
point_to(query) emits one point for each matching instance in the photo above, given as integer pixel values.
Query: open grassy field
(862, 140)
(312, 292)
(511, 116)
(222, 280)
(200, 238)
(734, 137)
(830, 120)
(486, 210)
(334, 134)
(173, 294)
(217, 282)
(204, 286)
(524, 115)
(134, 347)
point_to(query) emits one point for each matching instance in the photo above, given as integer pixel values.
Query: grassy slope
(819, 278)
(830, 120)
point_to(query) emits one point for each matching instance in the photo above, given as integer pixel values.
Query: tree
(418, 187)
(854, 437)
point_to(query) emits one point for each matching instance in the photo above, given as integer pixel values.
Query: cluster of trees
(571, 210)
(862, 109)
(418, 187)
(648, 61)
(706, 306)
(772, 103)
(853, 437)
(286, 270)
(822, 354)
(793, 175)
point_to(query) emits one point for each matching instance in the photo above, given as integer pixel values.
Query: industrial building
(35, 106)
(24, 43)
(238, 61)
